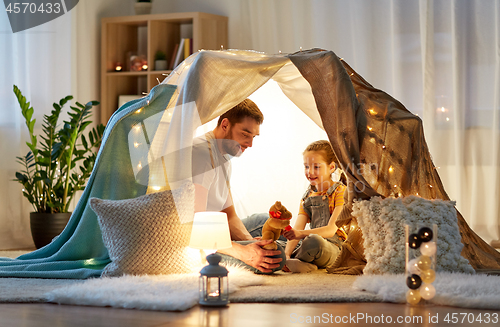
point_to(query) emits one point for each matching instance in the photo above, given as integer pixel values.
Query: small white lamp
(211, 233)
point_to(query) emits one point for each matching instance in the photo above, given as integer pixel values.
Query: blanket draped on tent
(369, 130)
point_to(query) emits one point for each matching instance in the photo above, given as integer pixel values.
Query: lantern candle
(211, 232)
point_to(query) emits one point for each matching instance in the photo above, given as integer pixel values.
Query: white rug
(452, 289)
(180, 292)
(164, 292)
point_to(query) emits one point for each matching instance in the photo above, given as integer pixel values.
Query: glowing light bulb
(447, 119)
(139, 166)
(144, 67)
(413, 267)
(443, 109)
(428, 276)
(136, 145)
(413, 296)
(156, 188)
(427, 291)
(424, 262)
(391, 169)
(370, 128)
(428, 248)
(138, 111)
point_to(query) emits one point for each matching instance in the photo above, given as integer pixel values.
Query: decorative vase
(160, 64)
(46, 226)
(142, 8)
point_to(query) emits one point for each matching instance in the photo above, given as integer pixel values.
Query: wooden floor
(248, 314)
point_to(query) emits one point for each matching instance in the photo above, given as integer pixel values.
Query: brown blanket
(382, 149)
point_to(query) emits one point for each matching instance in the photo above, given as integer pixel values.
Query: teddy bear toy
(279, 219)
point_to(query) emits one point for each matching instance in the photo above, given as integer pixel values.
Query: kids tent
(368, 129)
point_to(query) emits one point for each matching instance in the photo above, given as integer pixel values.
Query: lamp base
(213, 304)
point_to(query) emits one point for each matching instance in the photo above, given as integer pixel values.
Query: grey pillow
(382, 223)
(148, 234)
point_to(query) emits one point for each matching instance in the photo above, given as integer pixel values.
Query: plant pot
(142, 8)
(46, 226)
(160, 64)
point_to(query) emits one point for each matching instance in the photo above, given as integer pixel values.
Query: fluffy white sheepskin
(175, 292)
(452, 289)
(382, 222)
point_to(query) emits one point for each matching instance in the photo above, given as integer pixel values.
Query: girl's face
(317, 170)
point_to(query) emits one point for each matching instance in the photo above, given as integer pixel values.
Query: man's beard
(230, 146)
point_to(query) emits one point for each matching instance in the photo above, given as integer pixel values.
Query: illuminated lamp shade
(211, 233)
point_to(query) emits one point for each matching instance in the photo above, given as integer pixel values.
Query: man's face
(242, 134)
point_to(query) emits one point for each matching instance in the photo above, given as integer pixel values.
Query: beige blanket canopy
(146, 148)
(379, 143)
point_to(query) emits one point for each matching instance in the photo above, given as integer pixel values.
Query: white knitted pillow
(382, 223)
(145, 235)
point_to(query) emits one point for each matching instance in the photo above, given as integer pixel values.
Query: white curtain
(47, 63)
(440, 58)
(38, 61)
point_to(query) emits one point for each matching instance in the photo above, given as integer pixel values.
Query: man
(234, 133)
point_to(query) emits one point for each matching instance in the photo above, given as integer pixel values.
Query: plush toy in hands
(279, 219)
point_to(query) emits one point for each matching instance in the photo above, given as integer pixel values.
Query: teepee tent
(369, 131)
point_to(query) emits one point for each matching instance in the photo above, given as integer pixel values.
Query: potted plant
(143, 7)
(49, 175)
(160, 60)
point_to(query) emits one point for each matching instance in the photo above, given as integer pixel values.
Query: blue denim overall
(314, 248)
(318, 210)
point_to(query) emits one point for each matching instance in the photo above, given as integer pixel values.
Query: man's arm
(236, 228)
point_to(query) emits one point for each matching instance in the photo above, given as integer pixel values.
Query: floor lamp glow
(211, 233)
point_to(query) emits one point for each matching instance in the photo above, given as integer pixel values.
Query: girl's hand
(293, 234)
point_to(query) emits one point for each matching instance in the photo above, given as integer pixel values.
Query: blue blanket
(79, 252)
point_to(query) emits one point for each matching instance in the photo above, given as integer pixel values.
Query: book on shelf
(184, 50)
(172, 58)
(180, 54)
(187, 47)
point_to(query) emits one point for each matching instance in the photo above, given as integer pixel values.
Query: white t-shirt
(208, 171)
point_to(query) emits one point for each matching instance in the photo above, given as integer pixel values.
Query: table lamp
(211, 233)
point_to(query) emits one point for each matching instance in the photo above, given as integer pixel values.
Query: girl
(319, 246)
